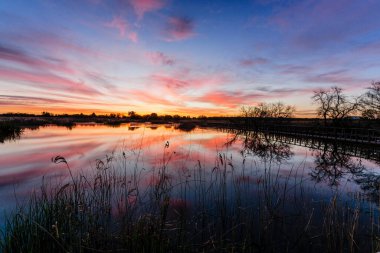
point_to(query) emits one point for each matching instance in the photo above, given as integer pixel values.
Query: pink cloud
(28, 100)
(78, 104)
(54, 45)
(234, 99)
(20, 57)
(179, 83)
(172, 90)
(179, 28)
(120, 24)
(148, 98)
(160, 58)
(143, 6)
(230, 99)
(203, 111)
(123, 27)
(132, 36)
(48, 81)
(170, 82)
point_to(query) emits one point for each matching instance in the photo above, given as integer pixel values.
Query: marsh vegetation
(259, 201)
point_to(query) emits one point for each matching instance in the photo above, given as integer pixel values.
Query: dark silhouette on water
(264, 147)
(333, 160)
(9, 133)
(186, 126)
(331, 165)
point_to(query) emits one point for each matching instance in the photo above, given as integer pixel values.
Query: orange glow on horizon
(192, 113)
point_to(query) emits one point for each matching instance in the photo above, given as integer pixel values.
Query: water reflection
(186, 126)
(333, 162)
(331, 165)
(132, 128)
(23, 163)
(9, 133)
(265, 147)
(370, 184)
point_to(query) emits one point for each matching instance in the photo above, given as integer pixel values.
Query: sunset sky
(182, 57)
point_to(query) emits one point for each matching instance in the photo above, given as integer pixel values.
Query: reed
(119, 207)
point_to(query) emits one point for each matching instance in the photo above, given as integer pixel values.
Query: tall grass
(226, 208)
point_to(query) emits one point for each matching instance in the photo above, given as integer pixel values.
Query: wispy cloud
(52, 43)
(123, 27)
(186, 81)
(325, 72)
(101, 80)
(234, 99)
(179, 28)
(338, 77)
(319, 25)
(28, 100)
(18, 56)
(144, 6)
(230, 99)
(250, 62)
(170, 82)
(150, 98)
(48, 81)
(160, 58)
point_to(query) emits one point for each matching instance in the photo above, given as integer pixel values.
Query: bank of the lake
(159, 188)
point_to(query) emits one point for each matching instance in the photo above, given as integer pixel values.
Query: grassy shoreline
(118, 208)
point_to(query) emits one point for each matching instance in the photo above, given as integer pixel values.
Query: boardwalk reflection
(332, 161)
(331, 165)
(264, 147)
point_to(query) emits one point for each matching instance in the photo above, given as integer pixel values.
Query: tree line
(268, 110)
(130, 115)
(332, 105)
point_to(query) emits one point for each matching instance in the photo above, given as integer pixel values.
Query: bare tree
(262, 110)
(333, 104)
(268, 110)
(280, 110)
(371, 102)
(324, 99)
(370, 113)
(246, 111)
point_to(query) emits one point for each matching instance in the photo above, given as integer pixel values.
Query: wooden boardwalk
(357, 135)
(351, 148)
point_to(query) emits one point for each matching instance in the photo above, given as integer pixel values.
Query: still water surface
(26, 161)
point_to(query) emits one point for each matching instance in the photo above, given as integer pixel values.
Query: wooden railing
(348, 134)
(356, 149)
(361, 135)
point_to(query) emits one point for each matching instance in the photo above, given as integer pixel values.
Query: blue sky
(185, 57)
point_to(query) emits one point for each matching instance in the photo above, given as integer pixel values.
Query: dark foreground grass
(219, 209)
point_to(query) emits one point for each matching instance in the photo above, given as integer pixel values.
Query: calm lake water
(326, 170)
